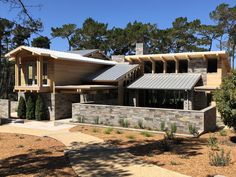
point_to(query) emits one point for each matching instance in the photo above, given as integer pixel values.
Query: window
(212, 65)
(45, 73)
(170, 66)
(147, 67)
(183, 66)
(31, 73)
(159, 67)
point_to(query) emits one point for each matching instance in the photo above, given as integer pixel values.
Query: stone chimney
(140, 49)
(118, 58)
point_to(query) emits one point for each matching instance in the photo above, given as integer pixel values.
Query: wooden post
(40, 71)
(164, 67)
(120, 93)
(153, 67)
(16, 72)
(176, 66)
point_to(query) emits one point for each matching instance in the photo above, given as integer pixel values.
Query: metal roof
(84, 52)
(113, 73)
(60, 55)
(170, 81)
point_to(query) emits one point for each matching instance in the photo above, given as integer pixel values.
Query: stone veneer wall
(4, 108)
(151, 117)
(198, 66)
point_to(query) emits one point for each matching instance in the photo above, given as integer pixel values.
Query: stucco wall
(150, 117)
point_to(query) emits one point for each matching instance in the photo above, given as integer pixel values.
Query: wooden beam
(16, 72)
(40, 71)
(204, 57)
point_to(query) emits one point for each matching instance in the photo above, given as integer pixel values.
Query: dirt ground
(188, 156)
(25, 155)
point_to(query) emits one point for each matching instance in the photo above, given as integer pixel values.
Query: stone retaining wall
(4, 108)
(150, 118)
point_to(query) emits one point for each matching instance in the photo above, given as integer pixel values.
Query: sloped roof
(59, 55)
(113, 73)
(85, 52)
(171, 81)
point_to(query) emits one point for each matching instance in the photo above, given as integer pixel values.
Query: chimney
(140, 49)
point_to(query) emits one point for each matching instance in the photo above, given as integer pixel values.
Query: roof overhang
(172, 81)
(83, 88)
(206, 88)
(57, 55)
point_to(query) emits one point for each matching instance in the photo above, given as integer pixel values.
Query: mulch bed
(188, 156)
(25, 155)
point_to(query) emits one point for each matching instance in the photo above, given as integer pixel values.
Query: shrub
(170, 133)
(162, 126)
(193, 130)
(39, 109)
(123, 122)
(140, 124)
(96, 120)
(132, 137)
(108, 130)
(165, 145)
(30, 108)
(119, 132)
(173, 128)
(80, 119)
(220, 158)
(95, 130)
(146, 134)
(213, 143)
(223, 133)
(21, 112)
(225, 99)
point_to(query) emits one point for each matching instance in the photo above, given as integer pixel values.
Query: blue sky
(118, 13)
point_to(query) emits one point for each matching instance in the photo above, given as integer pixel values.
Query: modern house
(175, 81)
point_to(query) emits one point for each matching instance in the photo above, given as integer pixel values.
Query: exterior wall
(198, 66)
(151, 117)
(200, 100)
(72, 73)
(4, 108)
(210, 118)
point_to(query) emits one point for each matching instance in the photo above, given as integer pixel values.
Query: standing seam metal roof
(171, 81)
(113, 73)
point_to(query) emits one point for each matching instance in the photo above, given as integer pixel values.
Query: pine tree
(30, 108)
(39, 109)
(21, 113)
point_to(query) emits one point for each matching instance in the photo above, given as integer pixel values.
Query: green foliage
(39, 109)
(96, 120)
(193, 130)
(123, 122)
(162, 126)
(80, 119)
(221, 158)
(131, 137)
(226, 100)
(119, 131)
(223, 133)
(108, 130)
(95, 130)
(21, 112)
(213, 142)
(30, 108)
(146, 134)
(169, 134)
(42, 42)
(140, 124)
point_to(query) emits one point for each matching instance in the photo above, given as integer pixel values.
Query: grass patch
(95, 130)
(223, 133)
(146, 134)
(131, 137)
(108, 130)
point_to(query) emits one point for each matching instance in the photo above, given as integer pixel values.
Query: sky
(55, 13)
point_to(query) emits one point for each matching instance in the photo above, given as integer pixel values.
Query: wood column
(16, 71)
(40, 71)
(176, 66)
(164, 67)
(153, 67)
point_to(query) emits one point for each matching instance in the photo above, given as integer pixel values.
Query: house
(142, 85)
(91, 53)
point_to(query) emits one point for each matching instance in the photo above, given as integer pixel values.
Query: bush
(30, 108)
(140, 124)
(119, 132)
(193, 130)
(21, 112)
(108, 130)
(162, 126)
(132, 137)
(223, 133)
(124, 122)
(213, 143)
(226, 100)
(39, 109)
(170, 133)
(80, 119)
(220, 158)
(96, 120)
(146, 134)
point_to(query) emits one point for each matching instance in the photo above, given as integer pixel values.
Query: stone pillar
(140, 49)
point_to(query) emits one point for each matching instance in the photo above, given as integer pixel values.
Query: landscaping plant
(226, 100)
(146, 134)
(124, 122)
(220, 158)
(96, 120)
(162, 126)
(30, 108)
(21, 112)
(223, 133)
(193, 130)
(108, 130)
(140, 124)
(213, 143)
(39, 109)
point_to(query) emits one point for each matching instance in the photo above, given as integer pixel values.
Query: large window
(147, 67)
(159, 66)
(45, 73)
(170, 66)
(212, 65)
(31, 73)
(183, 66)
